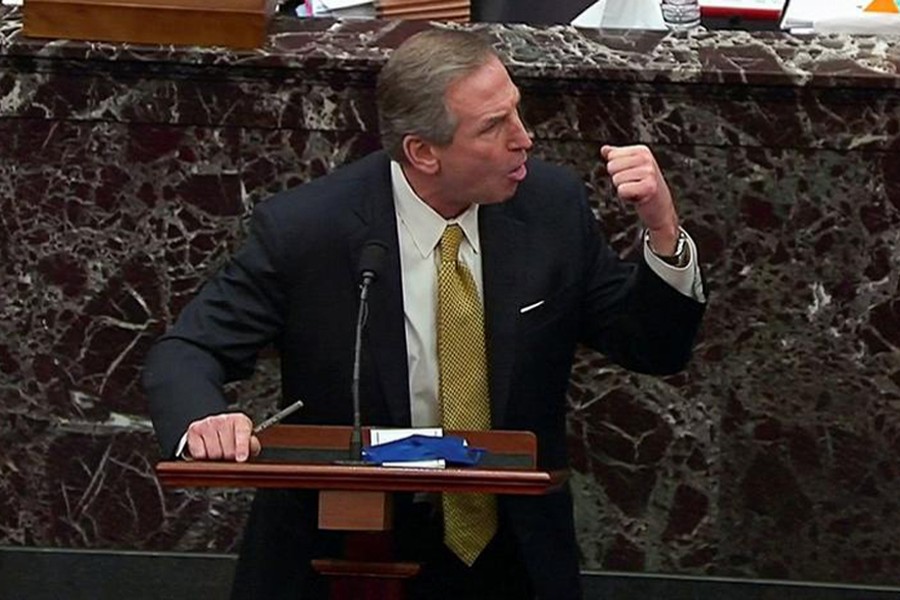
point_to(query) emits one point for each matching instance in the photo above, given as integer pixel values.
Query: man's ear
(421, 155)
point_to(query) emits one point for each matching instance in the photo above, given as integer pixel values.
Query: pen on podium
(278, 416)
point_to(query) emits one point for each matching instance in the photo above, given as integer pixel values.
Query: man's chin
(503, 193)
(500, 198)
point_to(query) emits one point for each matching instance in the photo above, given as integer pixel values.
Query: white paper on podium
(383, 436)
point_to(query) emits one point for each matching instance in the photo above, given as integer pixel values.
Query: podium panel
(357, 499)
(305, 456)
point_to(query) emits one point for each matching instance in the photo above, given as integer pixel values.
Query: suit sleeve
(217, 337)
(630, 314)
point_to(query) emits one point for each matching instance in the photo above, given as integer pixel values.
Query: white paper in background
(383, 436)
(882, 23)
(342, 4)
(837, 16)
(633, 14)
(801, 13)
(622, 14)
(590, 17)
(11, 2)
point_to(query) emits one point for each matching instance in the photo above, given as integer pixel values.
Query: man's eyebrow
(491, 120)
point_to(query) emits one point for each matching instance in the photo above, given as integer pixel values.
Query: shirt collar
(424, 225)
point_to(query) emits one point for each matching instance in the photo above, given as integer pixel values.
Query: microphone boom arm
(356, 435)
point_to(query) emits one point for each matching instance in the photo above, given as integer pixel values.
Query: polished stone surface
(126, 173)
(77, 574)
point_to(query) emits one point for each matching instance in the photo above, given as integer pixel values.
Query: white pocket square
(530, 307)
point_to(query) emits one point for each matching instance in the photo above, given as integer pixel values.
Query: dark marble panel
(604, 110)
(108, 231)
(773, 454)
(186, 95)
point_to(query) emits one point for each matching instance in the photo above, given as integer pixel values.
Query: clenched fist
(639, 182)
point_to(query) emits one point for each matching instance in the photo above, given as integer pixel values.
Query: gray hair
(411, 86)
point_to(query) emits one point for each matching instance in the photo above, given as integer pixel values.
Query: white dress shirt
(419, 229)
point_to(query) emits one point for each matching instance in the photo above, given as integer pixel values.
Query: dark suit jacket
(294, 284)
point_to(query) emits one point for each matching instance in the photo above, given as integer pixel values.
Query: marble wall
(126, 174)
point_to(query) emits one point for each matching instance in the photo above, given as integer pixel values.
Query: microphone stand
(355, 457)
(370, 261)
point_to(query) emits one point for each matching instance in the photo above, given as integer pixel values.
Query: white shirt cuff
(181, 451)
(685, 279)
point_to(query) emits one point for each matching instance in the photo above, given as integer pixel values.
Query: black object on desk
(533, 12)
(738, 22)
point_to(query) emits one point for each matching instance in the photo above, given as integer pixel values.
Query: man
(533, 259)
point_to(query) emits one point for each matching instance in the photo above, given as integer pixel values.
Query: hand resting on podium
(226, 436)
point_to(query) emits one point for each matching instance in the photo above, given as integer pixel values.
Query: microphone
(370, 261)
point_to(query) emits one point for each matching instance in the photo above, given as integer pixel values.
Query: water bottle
(681, 14)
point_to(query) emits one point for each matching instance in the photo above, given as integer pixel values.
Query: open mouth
(518, 174)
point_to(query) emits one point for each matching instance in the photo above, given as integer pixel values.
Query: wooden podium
(357, 499)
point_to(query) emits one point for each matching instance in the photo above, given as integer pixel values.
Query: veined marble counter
(764, 58)
(126, 173)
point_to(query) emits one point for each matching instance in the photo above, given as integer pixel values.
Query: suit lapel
(501, 239)
(385, 334)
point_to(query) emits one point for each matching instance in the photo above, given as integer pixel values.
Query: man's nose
(520, 137)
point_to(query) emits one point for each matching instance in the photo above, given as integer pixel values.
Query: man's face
(485, 162)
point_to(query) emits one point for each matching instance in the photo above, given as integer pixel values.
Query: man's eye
(492, 126)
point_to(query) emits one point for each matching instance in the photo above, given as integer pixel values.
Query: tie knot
(450, 241)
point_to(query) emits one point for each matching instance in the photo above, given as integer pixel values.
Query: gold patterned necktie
(470, 520)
